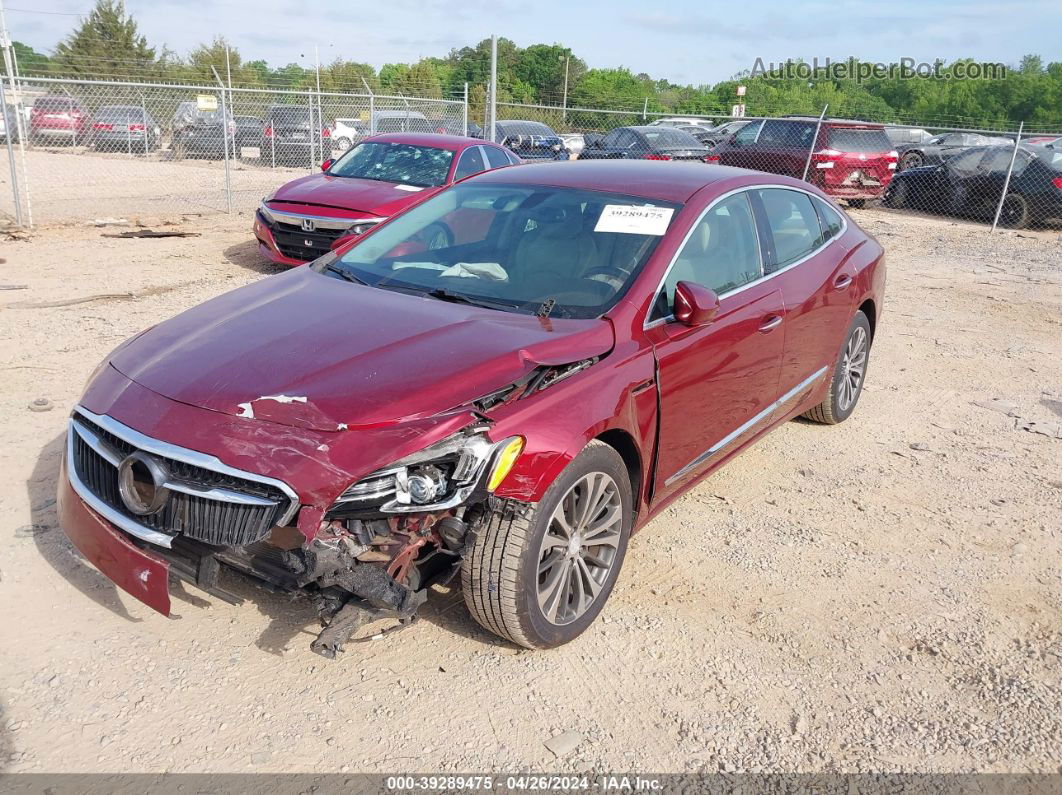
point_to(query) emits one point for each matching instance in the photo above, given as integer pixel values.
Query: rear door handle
(771, 322)
(842, 281)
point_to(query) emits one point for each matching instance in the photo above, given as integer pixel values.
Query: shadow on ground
(246, 255)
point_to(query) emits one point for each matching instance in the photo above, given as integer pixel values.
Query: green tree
(105, 44)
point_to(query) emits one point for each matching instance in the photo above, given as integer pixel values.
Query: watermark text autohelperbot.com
(853, 69)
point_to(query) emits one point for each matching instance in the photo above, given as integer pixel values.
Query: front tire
(1015, 213)
(848, 375)
(912, 160)
(540, 578)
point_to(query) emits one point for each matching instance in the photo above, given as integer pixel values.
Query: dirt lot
(882, 595)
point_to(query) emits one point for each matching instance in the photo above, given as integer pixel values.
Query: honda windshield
(422, 166)
(533, 249)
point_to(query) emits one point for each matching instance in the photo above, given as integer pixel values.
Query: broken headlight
(440, 477)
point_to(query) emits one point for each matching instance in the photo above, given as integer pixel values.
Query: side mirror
(327, 164)
(695, 305)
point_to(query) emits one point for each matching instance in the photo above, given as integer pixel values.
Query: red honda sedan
(593, 340)
(370, 182)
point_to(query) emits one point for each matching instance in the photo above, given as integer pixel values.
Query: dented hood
(307, 350)
(350, 193)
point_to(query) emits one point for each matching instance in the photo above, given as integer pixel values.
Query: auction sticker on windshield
(632, 220)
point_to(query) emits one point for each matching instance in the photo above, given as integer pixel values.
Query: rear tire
(845, 387)
(857, 204)
(896, 195)
(530, 581)
(912, 160)
(1015, 213)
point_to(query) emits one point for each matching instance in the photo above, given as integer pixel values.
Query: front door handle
(842, 281)
(770, 323)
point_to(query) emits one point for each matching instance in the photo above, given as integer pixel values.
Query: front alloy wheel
(538, 576)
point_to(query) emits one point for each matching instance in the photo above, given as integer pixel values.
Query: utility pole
(493, 87)
(567, 62)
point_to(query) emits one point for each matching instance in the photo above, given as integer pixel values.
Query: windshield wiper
(343, 273)
(457, 298)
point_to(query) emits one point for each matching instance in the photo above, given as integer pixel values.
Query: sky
(685, 41)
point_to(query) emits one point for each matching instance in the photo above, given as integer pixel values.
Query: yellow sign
(206, 102)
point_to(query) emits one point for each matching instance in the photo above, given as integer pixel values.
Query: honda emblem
(308, 225)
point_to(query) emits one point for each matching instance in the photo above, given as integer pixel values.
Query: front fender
(616, 394)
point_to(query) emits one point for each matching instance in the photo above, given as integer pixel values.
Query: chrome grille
(211, 505)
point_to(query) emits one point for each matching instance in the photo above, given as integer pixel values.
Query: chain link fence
(990, 176)
(84, 150)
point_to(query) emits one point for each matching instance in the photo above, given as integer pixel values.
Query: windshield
(532, 249)
(424, 166)
(848, 139)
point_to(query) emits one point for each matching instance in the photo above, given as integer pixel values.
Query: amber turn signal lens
(510, 451)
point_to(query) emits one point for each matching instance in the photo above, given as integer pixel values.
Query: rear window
(848, 139)
(50, 104)
(524, 128)
(664, 136)
(119, 113)
(292, 115)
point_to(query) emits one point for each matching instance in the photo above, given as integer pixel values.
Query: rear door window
(793, 225)
(849, 139)
(471, 162)
(496, 158)
(748, 133)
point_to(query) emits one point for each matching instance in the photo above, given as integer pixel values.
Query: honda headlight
(437, 478)
(265, 213)
(363, 226)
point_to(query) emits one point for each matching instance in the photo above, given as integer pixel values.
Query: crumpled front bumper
(136, 571)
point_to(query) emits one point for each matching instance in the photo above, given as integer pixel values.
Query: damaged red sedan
(508, 408)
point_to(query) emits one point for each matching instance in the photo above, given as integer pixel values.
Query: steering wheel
(617, 277)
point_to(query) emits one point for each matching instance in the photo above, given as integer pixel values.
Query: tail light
(440, 130)
(656, 157)
(326, 133)
(825, 158)
(268, 131)
(714, 160)
(136, 128)
(1057, 182)
(107, 127)
(893, 157)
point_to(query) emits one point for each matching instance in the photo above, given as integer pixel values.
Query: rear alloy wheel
(912, 160)
(343, 144)
(1015, 212)
(540, 578)
(848, 375)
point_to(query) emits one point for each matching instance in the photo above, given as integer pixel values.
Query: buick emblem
(308, 225)
(142, 483)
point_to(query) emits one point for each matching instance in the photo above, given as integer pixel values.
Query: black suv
(291, 137)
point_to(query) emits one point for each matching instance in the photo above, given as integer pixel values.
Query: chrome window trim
(725, 442)
(647, 323)
(322, 221)
(193, 457)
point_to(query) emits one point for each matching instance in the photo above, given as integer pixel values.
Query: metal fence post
(493, 87)
(11, 160)
(814, 140)
(464, 115)
(225, 139)
(1006, 181)
(144, 119)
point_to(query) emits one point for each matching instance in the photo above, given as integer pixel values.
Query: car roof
(438, 140)
(671, 182)
(836, 122)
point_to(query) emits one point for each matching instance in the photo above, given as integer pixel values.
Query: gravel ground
(884, 595)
